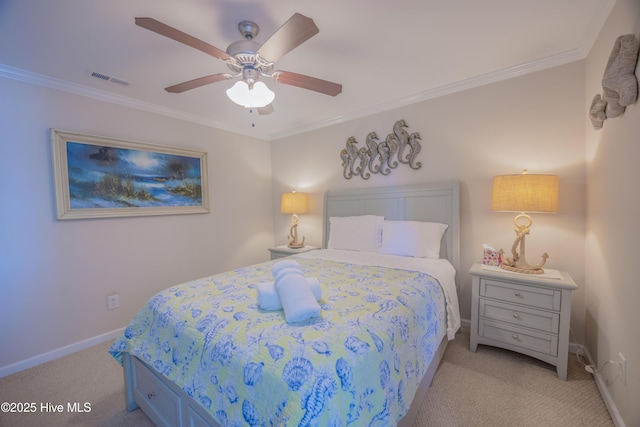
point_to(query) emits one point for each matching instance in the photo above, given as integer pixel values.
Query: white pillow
(355, 233)
(412, 238)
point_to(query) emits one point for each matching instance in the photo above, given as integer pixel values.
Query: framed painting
(98, 177)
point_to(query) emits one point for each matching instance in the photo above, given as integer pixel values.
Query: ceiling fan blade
(267, 109)
(307, 82)
(297, 30)
(192, 84)
(177, 35)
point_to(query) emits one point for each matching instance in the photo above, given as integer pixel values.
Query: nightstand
(525, 313)
(285, 251)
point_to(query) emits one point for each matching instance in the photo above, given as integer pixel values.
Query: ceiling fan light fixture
(257, 96)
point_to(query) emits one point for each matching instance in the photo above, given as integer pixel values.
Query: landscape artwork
(100, 177)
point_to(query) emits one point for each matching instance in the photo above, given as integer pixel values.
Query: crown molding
(459, 86)
(580, 53)
(448, 89)
(101, 95)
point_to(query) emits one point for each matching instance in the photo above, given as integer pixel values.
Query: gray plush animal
(597, 112)
(619, 83)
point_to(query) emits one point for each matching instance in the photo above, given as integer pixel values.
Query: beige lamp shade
(525, 193)
(293, 203)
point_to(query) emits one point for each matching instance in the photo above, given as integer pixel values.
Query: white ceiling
(385, 53)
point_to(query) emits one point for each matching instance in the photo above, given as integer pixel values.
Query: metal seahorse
(324, 388)
(362, 167)
(415, 149)
(349, 156)
(402, 137)
(346, 164)
(372, 151)
(392, 144)
(383, 152)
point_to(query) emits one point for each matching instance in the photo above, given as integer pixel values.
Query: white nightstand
(525, 313)
(284, 251)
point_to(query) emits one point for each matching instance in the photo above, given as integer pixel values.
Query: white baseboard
(604, 391)
(465, 324)
(60, 352)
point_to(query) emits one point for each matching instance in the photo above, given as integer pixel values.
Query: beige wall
(613, 211)
(534, 122)
(55, 275)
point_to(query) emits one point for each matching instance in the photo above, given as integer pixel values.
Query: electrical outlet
(113, 301)
(623, 368)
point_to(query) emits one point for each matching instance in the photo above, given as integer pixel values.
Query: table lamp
(524, 193)
(294, 203)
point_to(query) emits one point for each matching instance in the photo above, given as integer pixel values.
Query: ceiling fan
(249, 60)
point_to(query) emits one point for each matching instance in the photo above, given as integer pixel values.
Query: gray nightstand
(285, 251)
(522, 312)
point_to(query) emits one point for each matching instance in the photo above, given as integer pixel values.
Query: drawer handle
(515, 337)
(515, 316)
(151, 395)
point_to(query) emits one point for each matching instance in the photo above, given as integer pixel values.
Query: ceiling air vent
(109, 79)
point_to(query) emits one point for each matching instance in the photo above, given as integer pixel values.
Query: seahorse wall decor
(619, 83)
(381, 156)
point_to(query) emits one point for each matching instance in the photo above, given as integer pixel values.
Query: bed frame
(168, 405)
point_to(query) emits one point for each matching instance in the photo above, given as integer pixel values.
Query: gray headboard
(431, 202)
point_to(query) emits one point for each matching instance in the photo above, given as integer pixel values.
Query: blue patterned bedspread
(359, 364)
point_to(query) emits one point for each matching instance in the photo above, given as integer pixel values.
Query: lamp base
(522, 270)
(518, 263)
(293, 237)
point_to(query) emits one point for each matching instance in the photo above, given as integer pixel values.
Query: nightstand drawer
(157, 400)
(545, 321)
(514, 336)
(530, 295)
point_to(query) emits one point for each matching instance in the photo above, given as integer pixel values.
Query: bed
(203, 353)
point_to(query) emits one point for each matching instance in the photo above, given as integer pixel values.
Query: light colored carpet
(491, 387)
